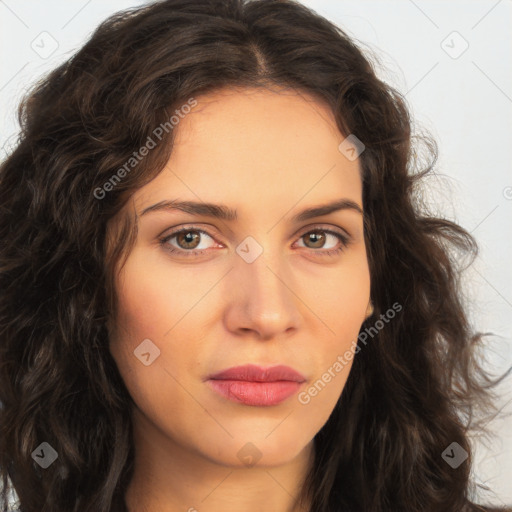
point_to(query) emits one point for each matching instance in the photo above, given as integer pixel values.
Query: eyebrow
(220, 211)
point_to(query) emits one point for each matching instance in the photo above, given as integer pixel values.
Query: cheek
(341, 306)
(159, 304)
(318, 399)
(148, 309)
(334, 353)
(152, 298)
(145, 312)
(141, 312)
(340, 298)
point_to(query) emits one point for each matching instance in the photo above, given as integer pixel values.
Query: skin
(269, 154)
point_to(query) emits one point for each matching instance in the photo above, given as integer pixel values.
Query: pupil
(189, 237)
(316, 238)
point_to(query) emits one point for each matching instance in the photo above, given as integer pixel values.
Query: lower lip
(255, 393)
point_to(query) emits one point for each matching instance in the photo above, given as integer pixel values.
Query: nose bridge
(263, 287)
(265, 278)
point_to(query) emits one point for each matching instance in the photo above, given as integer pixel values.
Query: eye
(319, 236)
(187, 238)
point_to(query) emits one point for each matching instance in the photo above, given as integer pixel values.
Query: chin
(256, 450)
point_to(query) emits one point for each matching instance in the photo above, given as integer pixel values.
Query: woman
(314, 355)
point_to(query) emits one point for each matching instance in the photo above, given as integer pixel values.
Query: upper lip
(254, 373)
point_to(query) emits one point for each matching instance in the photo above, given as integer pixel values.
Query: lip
(257, 386)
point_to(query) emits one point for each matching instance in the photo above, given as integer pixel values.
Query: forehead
(238, 145)
(259, 118)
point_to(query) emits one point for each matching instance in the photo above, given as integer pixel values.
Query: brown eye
(316, 238)
(183, 242)
(188, 239)
(324, 242)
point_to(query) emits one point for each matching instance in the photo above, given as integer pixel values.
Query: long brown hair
(415, 389)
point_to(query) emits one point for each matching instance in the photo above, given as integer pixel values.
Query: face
(266, 288)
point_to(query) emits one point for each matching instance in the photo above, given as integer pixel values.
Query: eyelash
(344, 240)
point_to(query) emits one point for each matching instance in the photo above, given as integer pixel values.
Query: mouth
(257, 386)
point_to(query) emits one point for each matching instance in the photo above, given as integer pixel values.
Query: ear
(369, 310)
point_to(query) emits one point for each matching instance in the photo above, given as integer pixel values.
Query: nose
(262, 301)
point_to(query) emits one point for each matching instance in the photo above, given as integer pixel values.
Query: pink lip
(257, 386)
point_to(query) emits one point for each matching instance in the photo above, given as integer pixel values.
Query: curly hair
(418, 387)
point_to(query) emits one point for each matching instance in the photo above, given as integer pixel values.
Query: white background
(463, 98)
